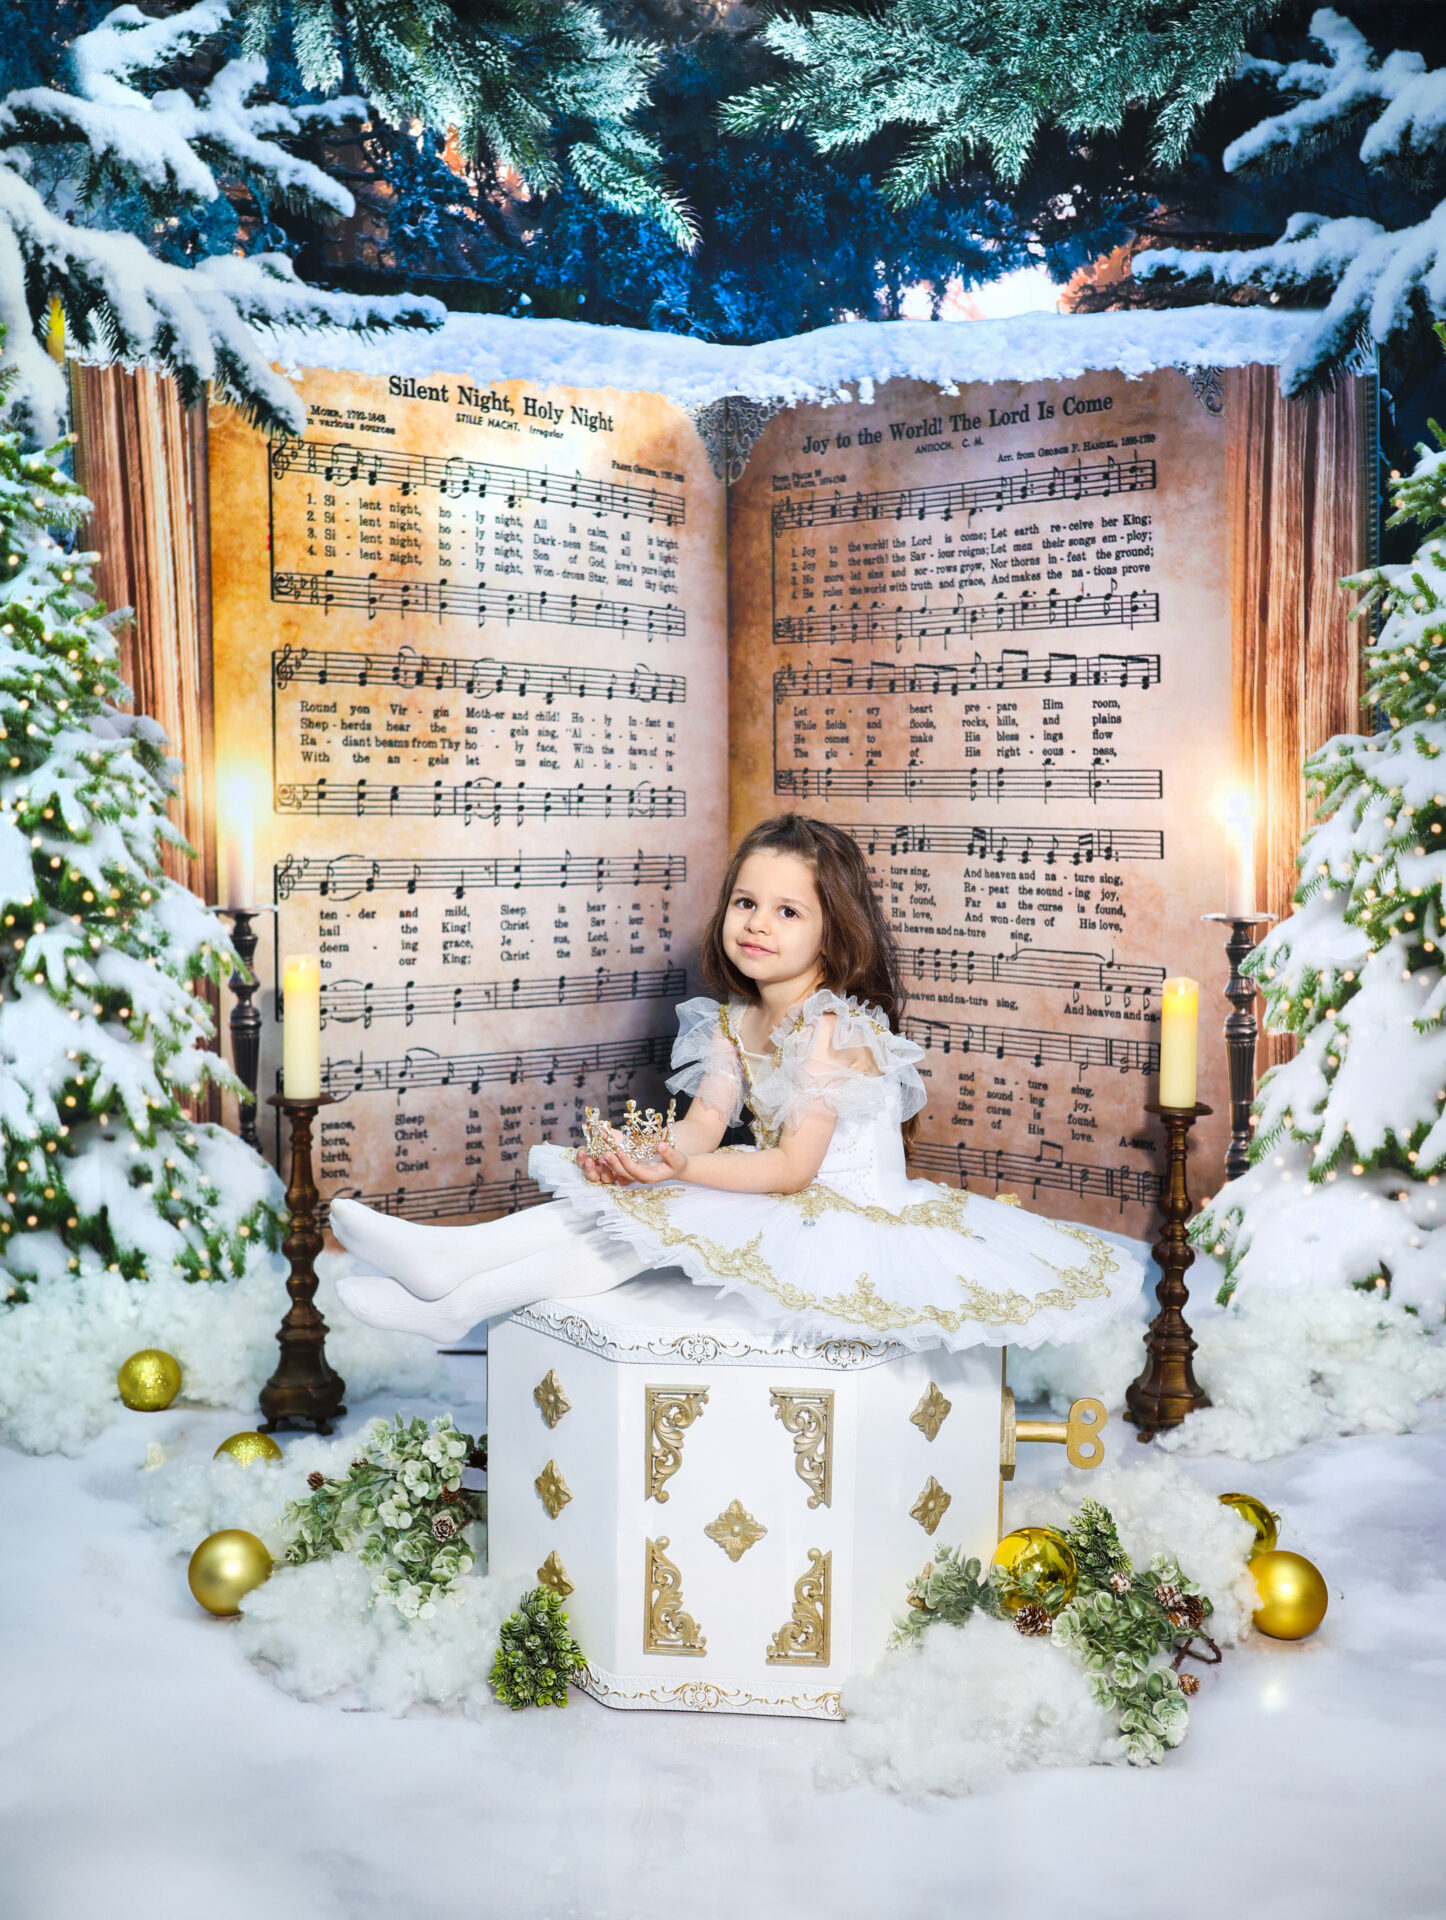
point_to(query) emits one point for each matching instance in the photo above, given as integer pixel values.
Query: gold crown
(640, 1136)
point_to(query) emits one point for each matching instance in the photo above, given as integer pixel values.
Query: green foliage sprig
(401, 1508)
(1124, 1628)
(536, 1655)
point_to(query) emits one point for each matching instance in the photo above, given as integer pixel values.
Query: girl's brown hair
(858, 956)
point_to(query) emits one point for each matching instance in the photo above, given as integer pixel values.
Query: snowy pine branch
(118, 130)
(531, 87)
(1369, 278)
(981, 79)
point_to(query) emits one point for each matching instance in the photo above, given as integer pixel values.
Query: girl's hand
(595, 1171)
(671, 1165)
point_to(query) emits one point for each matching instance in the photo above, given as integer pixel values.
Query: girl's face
(773, 925)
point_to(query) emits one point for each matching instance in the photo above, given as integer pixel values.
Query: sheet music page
(988, 632)
(470, 662)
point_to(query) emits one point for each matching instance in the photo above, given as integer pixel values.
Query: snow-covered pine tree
(116, 195)
(100, 1036)
(1345, 1184)
(979, 78)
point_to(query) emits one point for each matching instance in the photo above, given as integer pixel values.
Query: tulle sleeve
(705, 1063)
(857, 1069)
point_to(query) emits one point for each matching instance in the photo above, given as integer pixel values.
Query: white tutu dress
(863, 1250)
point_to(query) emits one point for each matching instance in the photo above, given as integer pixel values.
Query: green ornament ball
(150, 1380)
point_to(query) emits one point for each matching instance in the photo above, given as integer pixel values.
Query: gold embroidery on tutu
(862, 1304)
(947, 1210)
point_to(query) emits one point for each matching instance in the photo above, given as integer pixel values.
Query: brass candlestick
(1241, 1033)
(1167, 1389)
(244, 1021)
(304, 1390)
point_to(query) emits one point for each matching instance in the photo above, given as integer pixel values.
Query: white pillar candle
(1239, 860)
(238, 849)
(1179, 1035)
(301, 1027)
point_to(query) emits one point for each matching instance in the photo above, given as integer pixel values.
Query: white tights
(441, 1281)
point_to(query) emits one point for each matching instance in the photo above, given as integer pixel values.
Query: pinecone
(358, 1466)
(1032, 1618)
(1121, 1582)
(478, 1458)
(1170, 1597)
(1189, 1613)
(449, 1496)
(316, 1481)
(1189, 1683)
(443, 1526)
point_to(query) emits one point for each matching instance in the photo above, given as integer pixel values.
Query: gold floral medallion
(552, 1573)
(552, 1402)
(735, 1530)
(931, 1413)
(931, 1506)
(552, 1489)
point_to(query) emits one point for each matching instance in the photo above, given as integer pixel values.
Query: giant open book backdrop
(491, 668)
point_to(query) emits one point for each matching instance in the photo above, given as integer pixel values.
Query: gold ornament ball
(1265, 1523)
(225, 1567)
(247, 1447)
(1293, 1596)
(1043, 1552)
(150, 1380)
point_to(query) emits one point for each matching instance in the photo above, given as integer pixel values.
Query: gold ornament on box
(1293, 1595)
(552, 1402)
(225, 1568)
(931, 1413)
(735, 1530)
(931, 1506)
(803, 1639)
(150, 1380)
(642, 1136)
(1265, 1523)
(246, 1447)
(1035, 1558)
(552, 1489)
(552, 1573)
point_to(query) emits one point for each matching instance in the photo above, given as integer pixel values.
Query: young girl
(817, 1224)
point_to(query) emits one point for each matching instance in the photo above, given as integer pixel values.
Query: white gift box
(733, 1516)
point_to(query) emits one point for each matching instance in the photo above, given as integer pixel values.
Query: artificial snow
(831, 363)
(1283, 1366)
(61, 1349)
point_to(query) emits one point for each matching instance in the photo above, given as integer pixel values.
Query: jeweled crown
(639, 1135)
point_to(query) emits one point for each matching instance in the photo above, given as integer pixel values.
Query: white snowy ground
(147, 1770)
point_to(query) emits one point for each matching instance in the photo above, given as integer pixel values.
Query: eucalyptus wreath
(1128, 1630)
(401, 1508)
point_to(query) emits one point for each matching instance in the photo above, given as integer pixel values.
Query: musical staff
(320, 667)
(1064, 967)
(1035, 1044)
(445, 1203)
(867, 626)
(479, 799)
(350, 874)
(1013, 668)
(336, 592)
(970, 783)
(1078, 846)
(619, 1060)
(1126, 1185)
(344, 1002)
(339, 464)
(1096, 480)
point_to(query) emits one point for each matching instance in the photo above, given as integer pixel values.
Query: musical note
(335, 666)
(348, 875)
(1063, 967)
(344, 1002)
(970, 783)
(1014, 668)
(424, 1067)
(488, 1197)
(1127, 1185)
(478, 604)
(341, 465)
(1035, 1044)
(407, 800)
(1098, 480)
(867, 626)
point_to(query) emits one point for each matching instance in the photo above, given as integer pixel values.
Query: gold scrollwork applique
(931, 1413)
(931, 1506)
(802, 1640)
(552, 1573)
(552, 1489)
(862, 1304)
(809, 1418)
(670, 1411)
(666, 1627)
(735, 1530)
(552, 1402)
(946, 1209)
